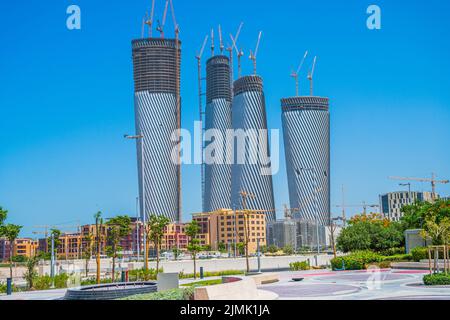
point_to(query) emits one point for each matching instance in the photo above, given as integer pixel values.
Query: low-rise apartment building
(228, 227)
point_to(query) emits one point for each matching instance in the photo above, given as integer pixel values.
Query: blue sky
(66, 97)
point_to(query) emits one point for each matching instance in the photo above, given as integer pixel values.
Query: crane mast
(255, 54)
(433, 182)
(295, 74)
(311, 76)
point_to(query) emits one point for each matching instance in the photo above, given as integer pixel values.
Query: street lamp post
(143, 213)
(258, 252)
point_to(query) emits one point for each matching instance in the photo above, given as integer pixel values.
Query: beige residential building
(228, 227)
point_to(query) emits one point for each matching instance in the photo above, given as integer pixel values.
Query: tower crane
(221, 47)
(212, 42)
(311, 75)
(432, 180)
(200, 110)
(239, 53)
(174, 19)
(294, 74)
(230, 52)
(254, 55)
(363, 205)
(149, 20)
(160, 27)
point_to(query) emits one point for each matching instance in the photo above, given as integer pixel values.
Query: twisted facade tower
(249, 114)
(156, 67)
(306, 132)
(218, 116)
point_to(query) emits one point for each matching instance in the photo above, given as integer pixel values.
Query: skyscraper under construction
(156, 63)
(306, 132)
(218, 117)
(251, 177)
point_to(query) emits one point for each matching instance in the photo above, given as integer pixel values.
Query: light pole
(409, 190)
(52, 260)
(316, 213)
(143, 213)
(258, 252)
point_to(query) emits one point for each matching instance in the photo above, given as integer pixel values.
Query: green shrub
(393, 251)
(93, 280)
(299, 265)
(398, 257)
(437, 279)
(143, 275)
(212, 274)
(61, 280)
(3, 287)
(421, 253)
(174, 294)
(203, 283)
(356, 261)
(42, 282)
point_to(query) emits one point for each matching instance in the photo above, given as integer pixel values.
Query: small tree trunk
(147, 246)
(195, 266)
(86, 268)
(97, 259)
(157, 257)
(113, 276)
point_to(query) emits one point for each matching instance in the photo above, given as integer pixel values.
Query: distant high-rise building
(392, 203)
(306, 131)
(249, 116)
(218, 116)
(156, 63)
(297, 233)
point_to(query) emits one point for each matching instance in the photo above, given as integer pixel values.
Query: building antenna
(295, 74)
(254, 55)
(239, 53)
(200, 110)
(160, 27)
(311, 75)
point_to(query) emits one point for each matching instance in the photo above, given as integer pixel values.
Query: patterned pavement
(356, 285)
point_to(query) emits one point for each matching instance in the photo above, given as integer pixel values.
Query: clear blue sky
(66, 97)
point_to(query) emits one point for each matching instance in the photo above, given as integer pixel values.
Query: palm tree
(98, 240)
(3, 215)
(118, 227)
(87, 252)
(31, 273)
(192, 230)
(157, 225)
(11, 232)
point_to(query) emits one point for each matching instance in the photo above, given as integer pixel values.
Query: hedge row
(437, 279)
(361, 259)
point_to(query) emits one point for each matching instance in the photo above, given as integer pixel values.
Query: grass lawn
(175, 294)
(202, 283)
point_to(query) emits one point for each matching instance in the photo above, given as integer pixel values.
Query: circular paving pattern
(361, 277)
(311, 290)
(417, 298)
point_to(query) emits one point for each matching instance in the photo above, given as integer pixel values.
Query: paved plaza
(384, 284)
(356, 285)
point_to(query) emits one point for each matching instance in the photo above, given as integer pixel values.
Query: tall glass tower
(156, 68)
